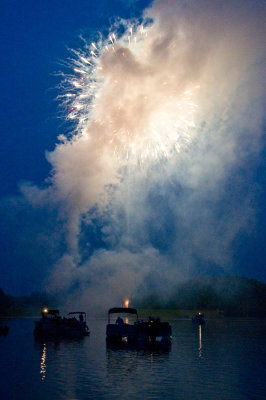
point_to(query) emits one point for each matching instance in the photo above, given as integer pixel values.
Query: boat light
(126, 303)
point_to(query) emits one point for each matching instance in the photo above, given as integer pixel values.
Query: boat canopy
(52, 312)
(76, 312)
(123, 310)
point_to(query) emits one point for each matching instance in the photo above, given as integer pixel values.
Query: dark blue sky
(34, 36)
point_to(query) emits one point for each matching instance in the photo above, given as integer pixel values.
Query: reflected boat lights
(200, 342)
(43, 362)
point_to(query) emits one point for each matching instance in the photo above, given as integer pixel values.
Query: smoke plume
(153, 184)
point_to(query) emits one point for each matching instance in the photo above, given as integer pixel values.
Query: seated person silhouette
(119, 320)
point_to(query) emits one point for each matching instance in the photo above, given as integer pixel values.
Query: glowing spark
(80, 71)
(85, 61)
(76, 84)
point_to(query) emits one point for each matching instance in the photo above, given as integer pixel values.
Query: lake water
(223, 360)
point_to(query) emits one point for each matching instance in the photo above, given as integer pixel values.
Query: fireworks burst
(118, 96)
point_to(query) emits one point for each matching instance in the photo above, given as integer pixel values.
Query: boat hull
(141, 332)
(60, 329)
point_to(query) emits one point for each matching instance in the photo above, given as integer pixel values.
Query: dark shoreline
(216, 297)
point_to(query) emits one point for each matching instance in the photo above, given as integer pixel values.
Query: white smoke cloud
(164, 122)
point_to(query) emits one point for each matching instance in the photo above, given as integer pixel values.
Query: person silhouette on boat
(119, 321)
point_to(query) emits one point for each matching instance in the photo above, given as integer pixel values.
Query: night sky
(157, 223)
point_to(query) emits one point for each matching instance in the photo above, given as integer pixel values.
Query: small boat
(51, 324)
(151, 331)
(81, 318)
(198, 319)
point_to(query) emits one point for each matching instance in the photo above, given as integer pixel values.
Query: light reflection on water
(221, 360)
(43, 364)
(200, 342)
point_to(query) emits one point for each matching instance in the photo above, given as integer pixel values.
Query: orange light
(45, 310)
(126, 302)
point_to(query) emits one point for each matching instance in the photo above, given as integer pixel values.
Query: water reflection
(200, 341)
(129, 364)
(161, 347)
(119, 353)
(43, 362)
(50, 347)
(232, 364)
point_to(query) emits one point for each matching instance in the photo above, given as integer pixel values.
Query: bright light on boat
(45, 310)
(126, 303)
